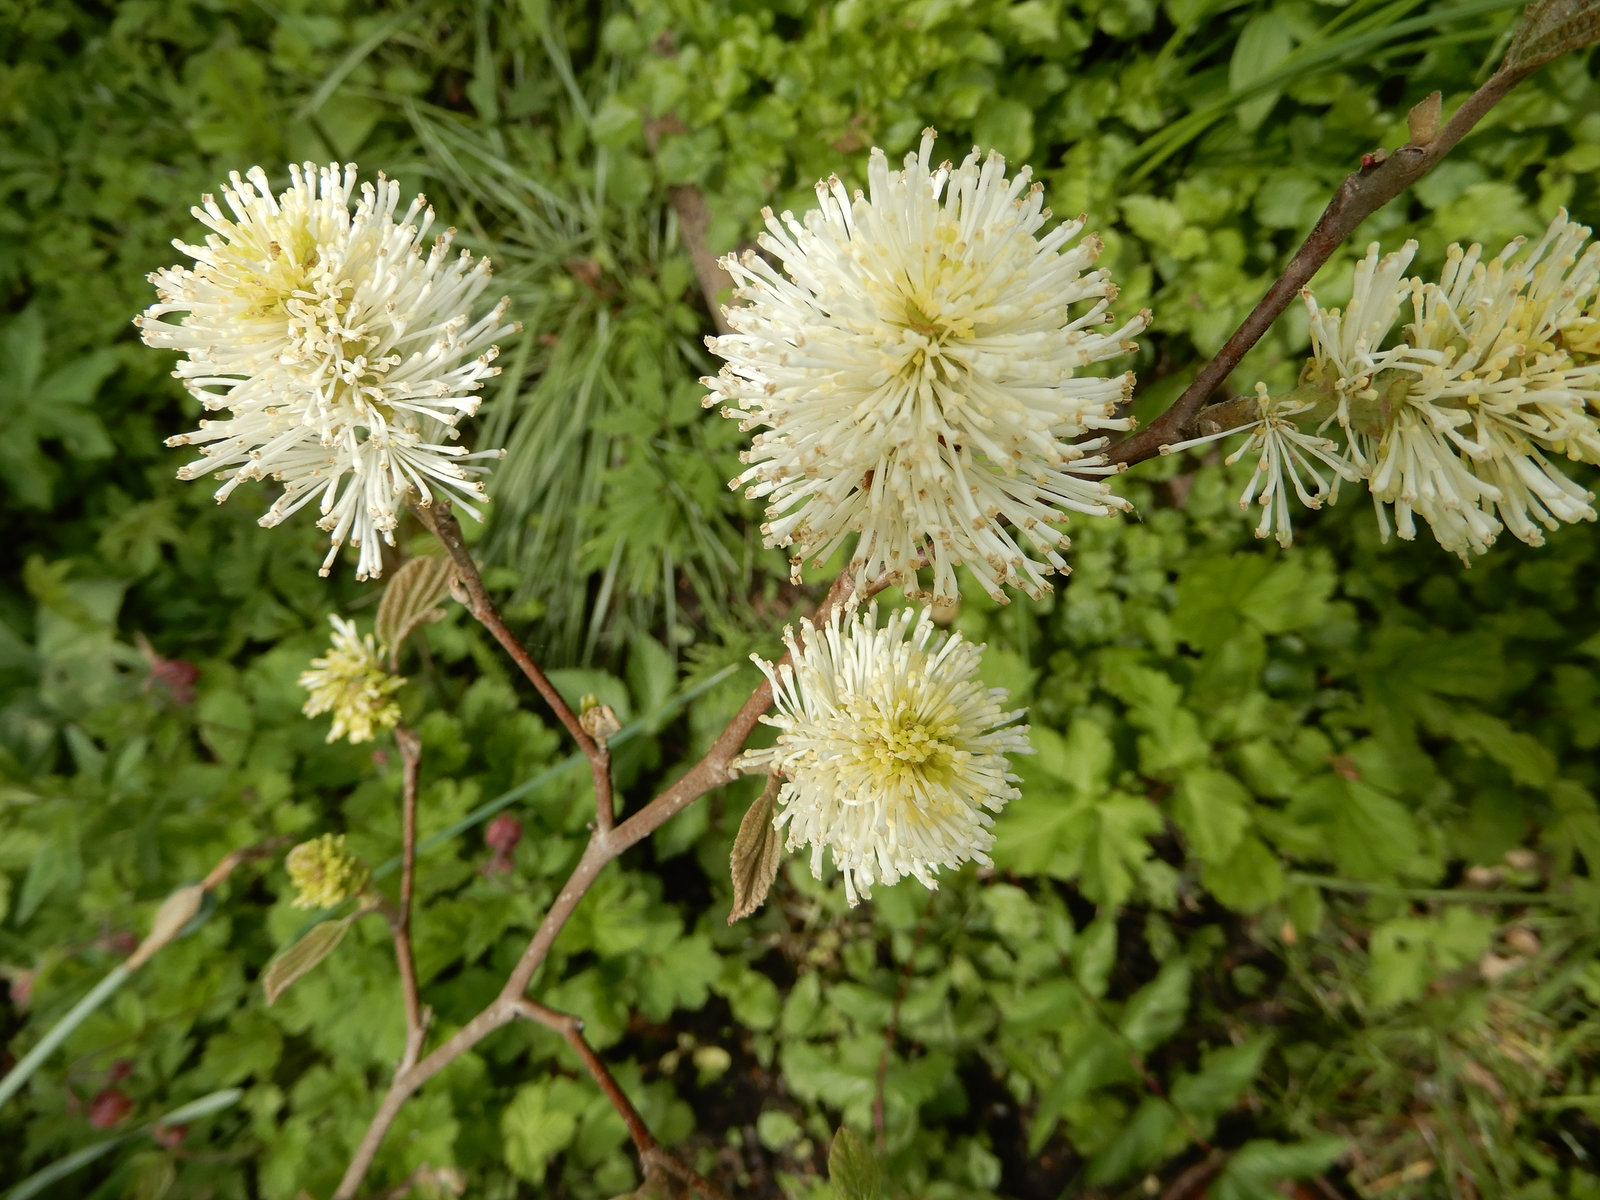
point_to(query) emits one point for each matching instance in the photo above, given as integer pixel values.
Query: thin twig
(442, 522)
(694, 220)
(1360, 195)
(400, 925)
(650, 1151)
(713, 770)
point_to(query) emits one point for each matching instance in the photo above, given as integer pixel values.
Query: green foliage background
(1246, 900)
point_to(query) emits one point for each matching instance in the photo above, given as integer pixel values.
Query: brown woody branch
(694, 220)
(713, 770)
(442, 522)
(651, 1153)
(1379, 180)
(400, 923)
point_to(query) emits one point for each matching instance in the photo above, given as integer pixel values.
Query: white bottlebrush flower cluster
(892, 753)
(345, 354)
(350, 681)
(914, 370)
(1452, 420)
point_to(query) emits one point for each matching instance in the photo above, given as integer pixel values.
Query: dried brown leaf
(756, 848)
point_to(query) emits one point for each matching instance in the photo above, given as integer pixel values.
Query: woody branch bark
(713, 770)
(442, 522)
(1360, 195)
(652, 1157)
(400, 923)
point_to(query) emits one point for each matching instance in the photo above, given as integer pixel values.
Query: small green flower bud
(324, 872)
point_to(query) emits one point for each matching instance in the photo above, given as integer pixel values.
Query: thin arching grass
(1345, 41)
(564, 409)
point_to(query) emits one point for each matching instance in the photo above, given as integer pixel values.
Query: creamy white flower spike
(892, 753)
(350, 682)
(345, 355)
(1497, 367)
(915, 371)
(1451, 419)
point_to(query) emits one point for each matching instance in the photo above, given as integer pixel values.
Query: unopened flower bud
(177, 675)
(503, 834)
(351, 683)
(109, 1107)
(600, 723)
(324, 872)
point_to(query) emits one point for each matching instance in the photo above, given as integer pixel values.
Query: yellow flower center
(898, 747)
(266, 275)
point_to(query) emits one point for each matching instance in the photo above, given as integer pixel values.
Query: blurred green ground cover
(1257, 894)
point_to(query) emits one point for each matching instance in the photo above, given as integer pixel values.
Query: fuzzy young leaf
(756, 851)
(1551, 28)
(851, 1168)
(410, 598)
(305, 954)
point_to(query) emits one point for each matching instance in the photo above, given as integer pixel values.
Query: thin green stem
(1446, 895)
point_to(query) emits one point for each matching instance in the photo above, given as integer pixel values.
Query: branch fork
(1379, 179)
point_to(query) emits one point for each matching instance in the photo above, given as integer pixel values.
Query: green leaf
(1257, 1168)
(1213, 810)
(1367, 834)
(1116, 841)
(1576, 826)
(652, 673)
(574, 683)
(56, 866)
(1223, 1078)
(852, 1170)
(249, 1047)
(1095, 953)
(1524, 757)
(1408, 953)
(1265, 41)
(1138, 1143)
(320, 941)
(533, 1131)
(1156, 1010)
(1249, 879)
(1172, 737)
(226, 720)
